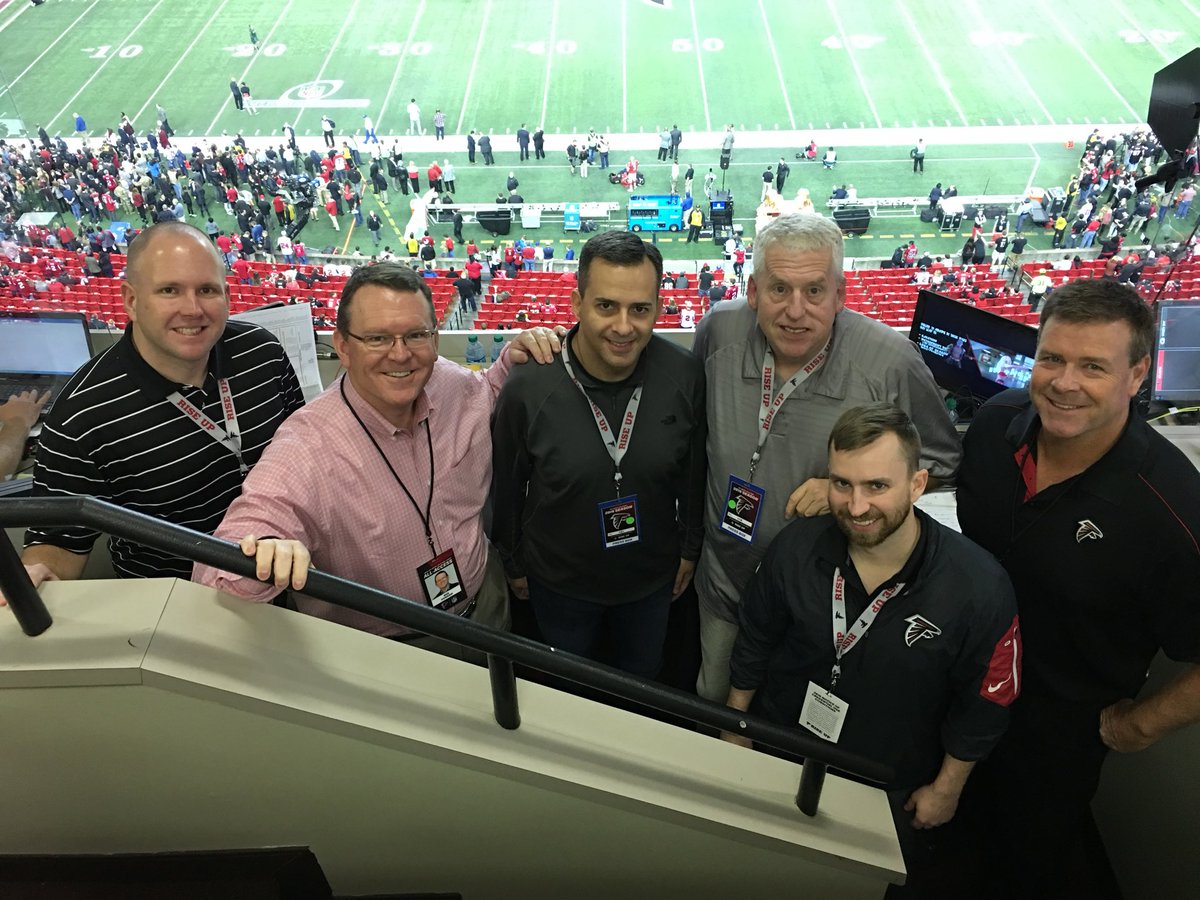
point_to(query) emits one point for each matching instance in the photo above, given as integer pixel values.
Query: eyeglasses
(378, 343)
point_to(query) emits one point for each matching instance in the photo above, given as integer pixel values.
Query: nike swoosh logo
(992, 688)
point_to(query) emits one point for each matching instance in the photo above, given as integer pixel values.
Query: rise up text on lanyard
(743, 500)
(824, 712)
(230, 436)
(619, 521)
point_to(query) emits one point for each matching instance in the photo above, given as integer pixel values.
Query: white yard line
(264, 42)
(113, 55)
(700, 65)
(862, 82)
(1136, 26)
(549, 58)
(1190, 8)
(462, 112)
(328, 56)
(412, 32)
(978, 16)
(66, 31)
(624, 65)
(178, 62)
(1037, 163)
(20, 8)
(778, 70)
(1065, 33)
(933, 64)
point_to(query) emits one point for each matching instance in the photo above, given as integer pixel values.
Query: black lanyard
(429, 439)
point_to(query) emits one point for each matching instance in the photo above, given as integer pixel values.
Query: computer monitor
(1176, 358)
(973, 354)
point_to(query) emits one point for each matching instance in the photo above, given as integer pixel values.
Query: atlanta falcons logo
(1087, 531)
(919, 627)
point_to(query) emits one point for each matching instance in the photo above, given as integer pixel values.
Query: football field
(625, 66)
(864, 73)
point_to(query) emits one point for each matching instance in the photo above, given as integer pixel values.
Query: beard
(884, 528)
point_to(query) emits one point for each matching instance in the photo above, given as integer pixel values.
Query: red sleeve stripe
(1002, 683)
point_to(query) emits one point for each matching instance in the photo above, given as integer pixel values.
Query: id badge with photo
(441, 582)
(743, 503)
(824, 713)
(619, 522)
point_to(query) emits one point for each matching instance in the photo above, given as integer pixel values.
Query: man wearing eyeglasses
(382, 478)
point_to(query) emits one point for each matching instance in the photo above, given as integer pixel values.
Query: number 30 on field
(685, 45)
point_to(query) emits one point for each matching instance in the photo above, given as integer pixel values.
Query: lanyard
(771, 402)
(842, 642)
(230, 436)
(618, 445)
(423, 516)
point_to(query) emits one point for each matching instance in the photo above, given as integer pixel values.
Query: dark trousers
(636, 631)
(1028, 810)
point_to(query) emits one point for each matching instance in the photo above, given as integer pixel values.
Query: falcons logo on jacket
(919, 627)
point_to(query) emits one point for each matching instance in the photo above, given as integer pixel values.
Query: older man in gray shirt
(781, 367)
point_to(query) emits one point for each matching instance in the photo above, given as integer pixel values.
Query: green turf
(622, 67)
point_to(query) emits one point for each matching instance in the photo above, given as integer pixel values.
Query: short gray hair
(803, 232)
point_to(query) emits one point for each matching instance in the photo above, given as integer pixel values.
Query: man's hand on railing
(38, 573)
(283, 562)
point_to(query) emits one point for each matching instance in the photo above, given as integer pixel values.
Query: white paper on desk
(942, 507)
(294, 327)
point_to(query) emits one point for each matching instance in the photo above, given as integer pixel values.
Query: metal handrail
(502, 648)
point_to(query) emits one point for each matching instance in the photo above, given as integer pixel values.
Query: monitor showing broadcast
(1177, 353)
(972, 353)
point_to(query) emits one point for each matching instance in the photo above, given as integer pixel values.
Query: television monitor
(1176, 358)
(973, 354)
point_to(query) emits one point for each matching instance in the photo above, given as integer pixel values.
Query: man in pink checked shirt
(382, 478)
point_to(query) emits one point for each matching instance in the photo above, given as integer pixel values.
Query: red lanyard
(618, 445)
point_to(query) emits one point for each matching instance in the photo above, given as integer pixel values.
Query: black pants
(918, 163)
(1028, 812)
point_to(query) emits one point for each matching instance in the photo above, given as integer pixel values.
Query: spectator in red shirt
(528, 254)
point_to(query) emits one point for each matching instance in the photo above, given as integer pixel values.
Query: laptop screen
(44, 343)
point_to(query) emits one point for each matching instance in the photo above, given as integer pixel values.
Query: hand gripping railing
(502, 648)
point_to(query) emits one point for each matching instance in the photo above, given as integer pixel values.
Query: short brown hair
(1087, 300)
(864, 425)
(387, 274)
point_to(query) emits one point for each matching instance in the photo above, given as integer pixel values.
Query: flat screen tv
(1176, 357)
(973, 354)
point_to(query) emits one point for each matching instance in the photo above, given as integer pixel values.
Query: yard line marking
(412, 30)
(625, 65)
(1070, 38)
(1190, 8)
(549, 58)
(933, 64)
(328, 56)
(700, 65)
(20, 8)
(171, 71)
(100, 68)
(778, 71)
(1036, 164)
(213, 124)
(862, 83)
(1016, 70)
(462, 113)
(8, 86)
(1124, 14)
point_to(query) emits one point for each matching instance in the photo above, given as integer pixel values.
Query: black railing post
(812, 779)
(504, 692)
(18, 590)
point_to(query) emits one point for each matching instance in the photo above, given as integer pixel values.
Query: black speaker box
(853, 219)
(725, 155)
(1038, 215)
(927, 215)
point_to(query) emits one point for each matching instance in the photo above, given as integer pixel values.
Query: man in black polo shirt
(168, 420)
(883, 631)
(598, 466)
(1096, 518)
